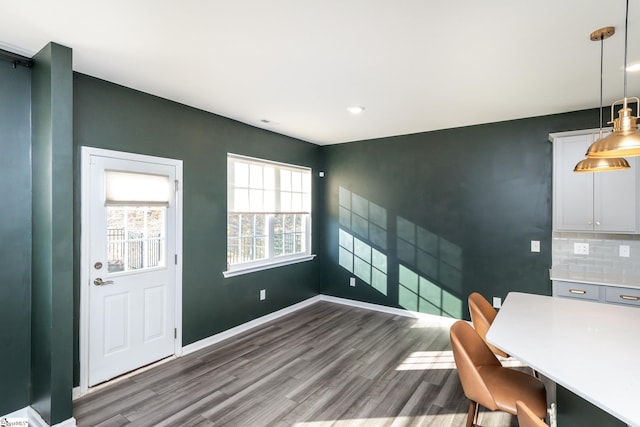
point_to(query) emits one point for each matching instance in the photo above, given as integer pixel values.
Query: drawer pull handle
(630, 297)
(577, 291)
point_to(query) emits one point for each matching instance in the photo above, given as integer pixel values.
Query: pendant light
(601, 165)
(607, 164)
(624, 141)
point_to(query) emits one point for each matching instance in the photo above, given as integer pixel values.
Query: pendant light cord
(626, 30)
(601, 72)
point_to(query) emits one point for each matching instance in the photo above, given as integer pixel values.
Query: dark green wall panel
(450, 212)
(15, 234)
(575, 411)
(52, 228)
(42, 237)
(117, 118)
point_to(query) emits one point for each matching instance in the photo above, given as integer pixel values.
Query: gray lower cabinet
(627, 296)
(608, 294)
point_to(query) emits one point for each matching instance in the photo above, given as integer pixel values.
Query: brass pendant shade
(624, 141)
(601, 165)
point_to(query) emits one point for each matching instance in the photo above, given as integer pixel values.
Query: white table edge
(635, 422)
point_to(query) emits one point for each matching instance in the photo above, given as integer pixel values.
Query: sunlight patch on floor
(379, 421)
(423, 360)
(432, 321)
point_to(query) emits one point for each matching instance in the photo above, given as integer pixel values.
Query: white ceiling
(415, 65)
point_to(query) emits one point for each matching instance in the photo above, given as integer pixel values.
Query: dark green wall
(453, 211)
(575, 411)
(15, 234)
(113, 117)
(52, 228)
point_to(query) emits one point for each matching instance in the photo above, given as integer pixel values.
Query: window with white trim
(268, 213)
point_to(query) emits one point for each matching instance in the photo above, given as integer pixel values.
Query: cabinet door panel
(573, 198)
(615, 207)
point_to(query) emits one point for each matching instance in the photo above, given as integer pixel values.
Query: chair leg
(472, 415)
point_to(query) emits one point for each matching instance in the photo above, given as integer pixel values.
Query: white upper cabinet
(588, 201)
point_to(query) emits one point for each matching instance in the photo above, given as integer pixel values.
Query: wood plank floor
(325, 365)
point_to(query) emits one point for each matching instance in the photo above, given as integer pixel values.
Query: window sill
(254, 268)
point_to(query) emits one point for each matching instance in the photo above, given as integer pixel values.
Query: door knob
(100, 282)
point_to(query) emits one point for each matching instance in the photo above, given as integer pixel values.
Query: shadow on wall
(429, 266)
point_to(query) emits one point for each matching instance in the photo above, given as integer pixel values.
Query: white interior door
(130, 280)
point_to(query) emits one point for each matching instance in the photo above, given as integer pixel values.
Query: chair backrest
(482, 316)
(470, 352)
(526, 418)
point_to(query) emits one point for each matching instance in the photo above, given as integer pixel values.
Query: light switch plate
(497, 302)
(535, 246)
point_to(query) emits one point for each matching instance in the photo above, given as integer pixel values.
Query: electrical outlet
(625, 251)
(497, 302)
(581, 248)
(352, 281)
(535, 246)
(263, 294)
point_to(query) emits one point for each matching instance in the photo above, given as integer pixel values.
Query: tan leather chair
(482, 316)
(486, 382)
(526, 418)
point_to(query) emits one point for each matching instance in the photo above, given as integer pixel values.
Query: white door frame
(85, 262)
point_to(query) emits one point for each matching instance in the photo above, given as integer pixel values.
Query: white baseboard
(35, 420)
(71, 422)
(440, 320)
(214, 339)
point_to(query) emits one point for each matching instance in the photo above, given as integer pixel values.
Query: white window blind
(266, 187)
(127, 188)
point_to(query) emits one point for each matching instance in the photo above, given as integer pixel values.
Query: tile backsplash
(604, 253)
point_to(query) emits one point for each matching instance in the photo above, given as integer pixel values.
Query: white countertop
(594, 278)
(591, 349)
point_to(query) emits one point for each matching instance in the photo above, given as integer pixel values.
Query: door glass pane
(135, 237)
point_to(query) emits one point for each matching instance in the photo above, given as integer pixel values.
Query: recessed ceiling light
(355, 110)
(634, 67)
